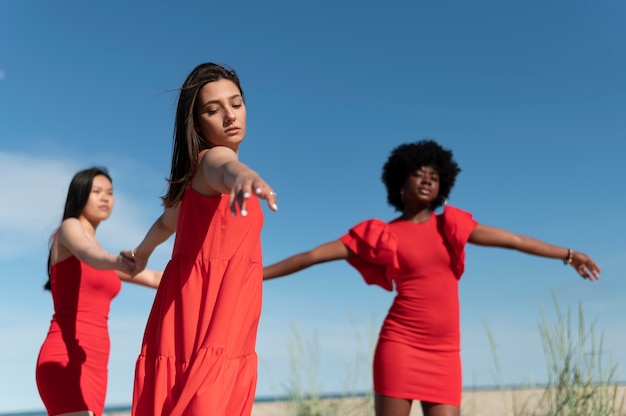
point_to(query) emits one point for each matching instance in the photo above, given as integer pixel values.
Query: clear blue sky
(531, 96)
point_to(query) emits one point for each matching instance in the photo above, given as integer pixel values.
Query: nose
(229, 116)
(425, 178)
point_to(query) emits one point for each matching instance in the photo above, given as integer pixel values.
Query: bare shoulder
(70, 232)
(70, 225)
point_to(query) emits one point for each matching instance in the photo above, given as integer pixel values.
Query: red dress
(418, 351)
(72, 365)
(198, 354)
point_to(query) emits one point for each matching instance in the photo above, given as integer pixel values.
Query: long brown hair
(187, 142)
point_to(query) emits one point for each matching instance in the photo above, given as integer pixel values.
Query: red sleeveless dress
(418, 352)
(198, 354)
(72, 365)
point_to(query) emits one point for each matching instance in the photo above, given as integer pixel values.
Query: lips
(233, 130)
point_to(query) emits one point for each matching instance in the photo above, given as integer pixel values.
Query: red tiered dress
(418, 351)
(72, 365)
(198, 354)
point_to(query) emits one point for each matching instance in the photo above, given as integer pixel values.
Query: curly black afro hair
(409, 157)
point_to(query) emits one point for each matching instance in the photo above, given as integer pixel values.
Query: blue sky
(531, 97)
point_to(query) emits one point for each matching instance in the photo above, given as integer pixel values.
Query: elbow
(166, 226)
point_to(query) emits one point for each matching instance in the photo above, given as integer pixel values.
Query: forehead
(426, 169)
(218, 90)
(101, 181)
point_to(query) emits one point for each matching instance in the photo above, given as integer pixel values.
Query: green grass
(304, 363)
(582, 377)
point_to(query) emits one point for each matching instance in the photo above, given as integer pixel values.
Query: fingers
(593, 271)
(240, 194)
(238, 199)
(133, 263)
(127, 264)
(269, 196)
(587, 268)
(128, 255)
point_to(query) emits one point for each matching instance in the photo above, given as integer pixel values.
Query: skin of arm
(220, 172)
(148, 278)
(73, 237)
(161, 230)
(334, 250)
(484, 235)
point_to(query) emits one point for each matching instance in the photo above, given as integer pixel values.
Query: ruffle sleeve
(376, 252)
(457, 228)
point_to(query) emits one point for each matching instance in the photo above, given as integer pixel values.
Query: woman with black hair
(83, 278)
(422, 254)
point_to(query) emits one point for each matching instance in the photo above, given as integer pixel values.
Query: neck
(417, 215)
(90, 227)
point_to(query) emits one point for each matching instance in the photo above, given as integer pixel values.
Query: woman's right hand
(136, 262)
(245, 184)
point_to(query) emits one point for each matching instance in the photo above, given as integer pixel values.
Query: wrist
(570, 256)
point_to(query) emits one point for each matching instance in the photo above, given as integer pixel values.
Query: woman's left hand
(585, 266)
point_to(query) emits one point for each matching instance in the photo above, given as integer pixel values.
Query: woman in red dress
(422, 254)
(198, 353)
(83, 278)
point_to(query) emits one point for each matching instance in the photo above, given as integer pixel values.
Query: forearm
(100, 259)
(232, 170)
(334, 250)
(494, 237)
(157, 234)
(148, 278)
(582, 263)
(288, 266)
(535, 247)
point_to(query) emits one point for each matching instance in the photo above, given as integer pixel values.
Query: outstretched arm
(334, 250)
(222, 172)
(85, 247)
(495, 237)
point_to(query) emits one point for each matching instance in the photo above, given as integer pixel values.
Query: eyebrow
(218, 101)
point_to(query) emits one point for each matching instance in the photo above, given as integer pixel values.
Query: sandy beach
(474, 403)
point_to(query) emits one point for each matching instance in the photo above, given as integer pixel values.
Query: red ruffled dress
(418, 352)
(198, 354)
(72, 364)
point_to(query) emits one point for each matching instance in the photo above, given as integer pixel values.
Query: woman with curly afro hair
(422, 255)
